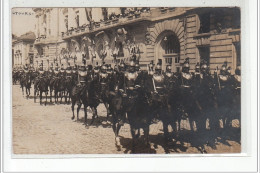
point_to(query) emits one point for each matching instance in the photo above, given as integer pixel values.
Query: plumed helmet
(158, 66)
(224, 66)
(103, 67)
(238, 70)
(132, 63)
(197, 65)
(168, 68)
(89, 67)
(82, 68)
(122, 64)
(151, 64)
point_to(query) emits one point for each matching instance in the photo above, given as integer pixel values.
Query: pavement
(40, 129)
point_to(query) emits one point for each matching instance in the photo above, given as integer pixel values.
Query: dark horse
(26, 82)
(59, 88)
(42, 86)
(86, 95)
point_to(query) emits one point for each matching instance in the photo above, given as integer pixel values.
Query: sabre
(218, 78)
(154, 85)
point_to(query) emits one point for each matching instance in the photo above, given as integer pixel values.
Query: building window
(236, 19)
(204, 53)
(77, 18)
(238, 53)
(66, 22)
(171, 44)
(44, 18)
(204, 23)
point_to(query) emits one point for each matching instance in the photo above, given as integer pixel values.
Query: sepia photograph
(126, 80)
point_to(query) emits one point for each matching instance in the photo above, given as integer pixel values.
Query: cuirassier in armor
(158, 79)
(186, 75)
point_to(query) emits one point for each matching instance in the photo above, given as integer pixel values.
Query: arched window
(171, 44)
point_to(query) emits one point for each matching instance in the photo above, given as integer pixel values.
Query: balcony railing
(130, 17)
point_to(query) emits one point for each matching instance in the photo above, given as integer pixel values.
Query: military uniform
(224, 94)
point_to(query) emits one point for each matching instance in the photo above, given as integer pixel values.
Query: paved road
(39, 129)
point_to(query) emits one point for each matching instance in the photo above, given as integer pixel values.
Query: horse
(59, 88)
(27, 83)
(42, 86)
(69, 83)
(85, 94)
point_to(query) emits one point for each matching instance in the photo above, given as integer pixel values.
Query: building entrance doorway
(168, 50)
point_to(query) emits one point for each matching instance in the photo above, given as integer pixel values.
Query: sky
(23, 20)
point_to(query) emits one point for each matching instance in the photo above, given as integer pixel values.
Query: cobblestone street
(39, 129)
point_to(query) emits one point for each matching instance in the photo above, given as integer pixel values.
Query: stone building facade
(169, 35)
(23, 49)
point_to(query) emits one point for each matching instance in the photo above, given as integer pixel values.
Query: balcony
(115, 20)
(202, 39)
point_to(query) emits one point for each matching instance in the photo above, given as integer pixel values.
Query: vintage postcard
(146, 80)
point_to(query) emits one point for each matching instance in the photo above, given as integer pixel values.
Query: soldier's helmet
(238, 70)
(75, 68)
(137, 66)
(89, 67)
(197, 67)
(62, 67)
(229, 70)
(158, 67)
(82, 68)
(151, 65)
(56, 67)
(26, 67)
(122, 66)
(204, 65)
(68, 67)
(132, 66)
(223, 69)
(103, 68)
(168, 68)
(186, 65)
(109, 68)
(96, 68)
(41, 66)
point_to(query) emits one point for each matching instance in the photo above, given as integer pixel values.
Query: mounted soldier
(189, 100)
(236, 94)
(56, 71)
(224, 95)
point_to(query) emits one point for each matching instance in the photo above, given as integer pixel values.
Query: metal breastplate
(237, 78)
(131, 78)
(158, 81)
(41, 72)
(186, 79)
(168, 74)
(223, 79)
(68, 71)
(103, 78)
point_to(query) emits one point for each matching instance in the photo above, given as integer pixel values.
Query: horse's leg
(78, 108)
(50, 93)
(46, 94)
(35, 94)
(85, 114)
(133, 133)
(55, 96)
(107, 108)
(40, 97)
(72, 108)
(94, 112)
(146, 135)
(66, 95)
(22, 89)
